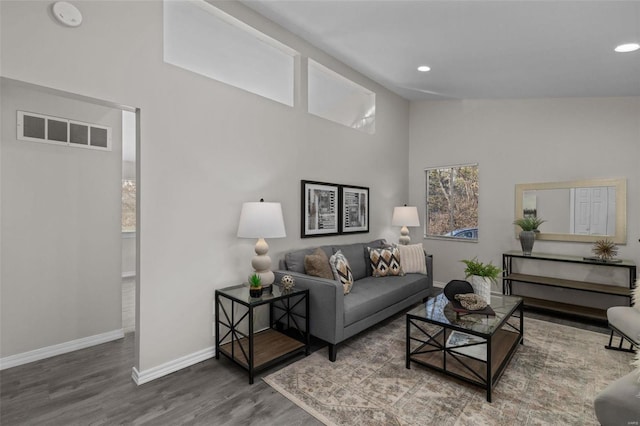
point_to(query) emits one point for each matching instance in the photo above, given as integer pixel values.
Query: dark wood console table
(547, 279)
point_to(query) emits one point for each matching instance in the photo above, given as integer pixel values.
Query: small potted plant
(529, 226)
(255, 285)
(482, 277)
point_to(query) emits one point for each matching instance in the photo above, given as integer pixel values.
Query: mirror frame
(620, 184)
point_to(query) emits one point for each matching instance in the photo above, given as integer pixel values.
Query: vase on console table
(527, 239)
(529, 226)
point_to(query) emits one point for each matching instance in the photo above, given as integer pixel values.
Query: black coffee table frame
(433, 352)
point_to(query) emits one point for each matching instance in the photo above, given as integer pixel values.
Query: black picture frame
(320, 209)
(354, 209)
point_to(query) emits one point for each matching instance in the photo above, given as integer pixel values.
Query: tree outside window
(128, 205)
(452, 202)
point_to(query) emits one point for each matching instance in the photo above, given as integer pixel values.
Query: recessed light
(424, 68)
(627, 47)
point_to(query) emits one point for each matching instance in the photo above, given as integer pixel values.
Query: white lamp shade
(261, 220)
(405, 216)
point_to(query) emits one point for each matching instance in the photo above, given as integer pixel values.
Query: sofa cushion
(358, 256)
(317, 265)
(385, 261)
(627, 320)
(341, 271)
(355, 254)
(412, 259)
(370, 295)
(294, 260)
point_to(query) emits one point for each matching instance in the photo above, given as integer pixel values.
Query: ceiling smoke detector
(67, 14)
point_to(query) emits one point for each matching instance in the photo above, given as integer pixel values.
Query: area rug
(552, 380)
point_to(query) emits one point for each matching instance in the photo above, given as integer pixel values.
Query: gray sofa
(334, 316)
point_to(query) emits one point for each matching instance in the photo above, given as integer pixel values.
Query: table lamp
(262, 220)
(405, 216)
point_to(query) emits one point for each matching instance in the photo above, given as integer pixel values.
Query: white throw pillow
(412, 259)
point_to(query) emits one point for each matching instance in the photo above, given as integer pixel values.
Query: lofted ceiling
(476, 49)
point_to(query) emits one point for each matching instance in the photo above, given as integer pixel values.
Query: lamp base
(404, 239)
(262, 265)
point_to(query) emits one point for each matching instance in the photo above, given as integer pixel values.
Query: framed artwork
(354, 209)
(319, 214)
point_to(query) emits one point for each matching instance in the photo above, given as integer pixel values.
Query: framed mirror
(582, 211)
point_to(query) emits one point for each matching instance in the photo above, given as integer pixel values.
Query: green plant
(529, 223)
(255, 281)
(474, 267)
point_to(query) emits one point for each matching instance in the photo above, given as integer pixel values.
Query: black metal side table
(286, 335)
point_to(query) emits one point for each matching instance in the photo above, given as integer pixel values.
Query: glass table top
(241, 293)
(438, 310)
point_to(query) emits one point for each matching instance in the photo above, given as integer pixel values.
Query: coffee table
(473, 348)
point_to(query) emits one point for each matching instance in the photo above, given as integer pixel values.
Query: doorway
(129, 209)
(61, 176)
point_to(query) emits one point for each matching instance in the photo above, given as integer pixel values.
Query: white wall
(128, 254)
(205, 148)
(60, 229)
(523, 141)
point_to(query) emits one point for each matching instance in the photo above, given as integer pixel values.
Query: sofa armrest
(326, 305)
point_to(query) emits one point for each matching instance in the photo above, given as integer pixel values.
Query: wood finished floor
(93, 386)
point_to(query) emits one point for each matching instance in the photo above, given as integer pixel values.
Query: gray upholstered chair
(619, 403)
(625, 322)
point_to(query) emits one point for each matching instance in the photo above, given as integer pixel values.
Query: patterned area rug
(552, 379)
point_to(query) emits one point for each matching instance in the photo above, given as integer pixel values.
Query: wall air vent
(61, 131)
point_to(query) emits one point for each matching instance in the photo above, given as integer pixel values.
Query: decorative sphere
(287, 282)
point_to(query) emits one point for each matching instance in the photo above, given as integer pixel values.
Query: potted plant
(482, 277)
(255, 285)
(529, 226)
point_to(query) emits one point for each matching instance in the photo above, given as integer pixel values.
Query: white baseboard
(129, 274)
(439, 284)
(59, 349)
(141, 377)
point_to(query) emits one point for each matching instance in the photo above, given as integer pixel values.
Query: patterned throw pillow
(413, 261)
(341, 271)
(385, 261)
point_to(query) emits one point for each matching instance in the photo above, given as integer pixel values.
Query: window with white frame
(339, 99)
(452, 202)
(128, 205)
(203, 39)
